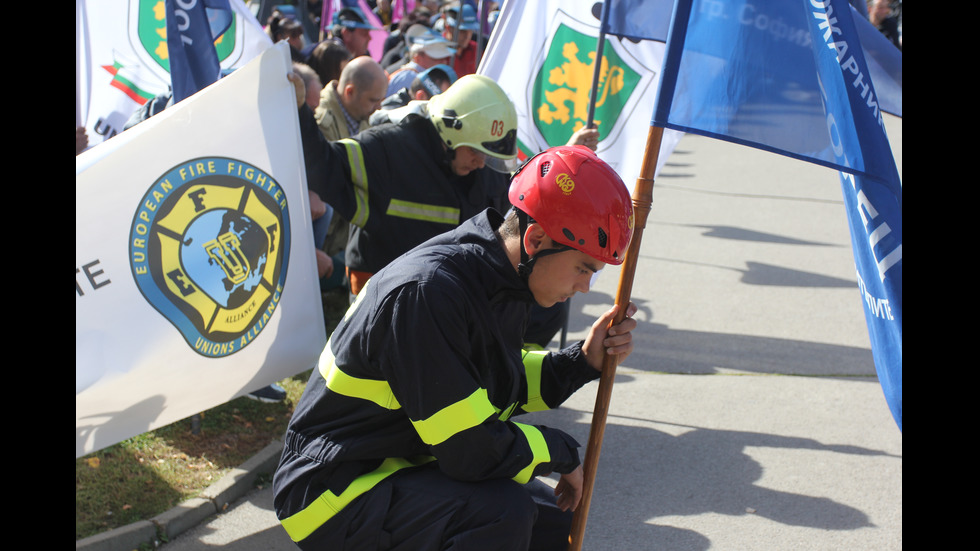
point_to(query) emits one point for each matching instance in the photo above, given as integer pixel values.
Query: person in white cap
(425, 52)
(395, 57)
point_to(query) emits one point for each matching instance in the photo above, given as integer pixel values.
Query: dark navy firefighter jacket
(427, 370)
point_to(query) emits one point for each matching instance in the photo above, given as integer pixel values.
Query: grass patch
(142, 477)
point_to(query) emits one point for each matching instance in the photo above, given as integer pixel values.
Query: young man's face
(467, 160)
(557, 277)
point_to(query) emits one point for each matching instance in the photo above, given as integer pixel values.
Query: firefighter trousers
(425, 510)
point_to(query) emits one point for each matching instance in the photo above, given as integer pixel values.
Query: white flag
(121, 58)
(542, 54)
(195, 273)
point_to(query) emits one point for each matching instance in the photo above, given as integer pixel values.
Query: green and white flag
(121, 58)
(542, 53)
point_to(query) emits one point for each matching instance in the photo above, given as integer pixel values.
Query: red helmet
(578, 199)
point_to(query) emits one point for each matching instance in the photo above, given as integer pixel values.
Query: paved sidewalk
(748, 417)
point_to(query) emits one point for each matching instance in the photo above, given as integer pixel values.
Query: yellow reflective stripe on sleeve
(467, 413)
(421, 211)
(358, 298)
(533, 361)
(300, 525)
(505, 414)
(374, 390)
(539, 451)
(358, 173)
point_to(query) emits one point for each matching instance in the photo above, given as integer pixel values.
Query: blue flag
(637, 19)
(650, 20)
(791, 77)
(192, 27)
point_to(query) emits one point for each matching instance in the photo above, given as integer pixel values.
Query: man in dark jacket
(401, 184)
(405, 437)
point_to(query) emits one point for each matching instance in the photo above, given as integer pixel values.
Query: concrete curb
(212, 501)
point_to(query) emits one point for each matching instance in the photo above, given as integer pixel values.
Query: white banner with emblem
(195, 274)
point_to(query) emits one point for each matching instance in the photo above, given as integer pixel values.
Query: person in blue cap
(351, 27)
(434, 81)
(430, 82)
(460, 30)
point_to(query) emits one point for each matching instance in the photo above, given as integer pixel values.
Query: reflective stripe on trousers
(300, 525)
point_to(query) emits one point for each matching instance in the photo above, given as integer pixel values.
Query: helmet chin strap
(450, 154)
(526, 265)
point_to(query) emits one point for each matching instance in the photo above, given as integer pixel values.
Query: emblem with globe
(214, 257)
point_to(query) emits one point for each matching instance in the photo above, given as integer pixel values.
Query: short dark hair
(326, 59)
(510, 227)
(280, 26)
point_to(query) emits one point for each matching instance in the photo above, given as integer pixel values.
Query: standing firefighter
(406, 437)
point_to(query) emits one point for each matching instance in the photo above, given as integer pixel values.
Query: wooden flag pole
(642, 199)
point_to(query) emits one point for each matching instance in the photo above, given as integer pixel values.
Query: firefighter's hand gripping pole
(642, 199)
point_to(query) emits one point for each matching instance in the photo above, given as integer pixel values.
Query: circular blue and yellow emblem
(209, 247)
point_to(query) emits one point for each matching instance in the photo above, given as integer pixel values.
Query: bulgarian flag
(128, 82)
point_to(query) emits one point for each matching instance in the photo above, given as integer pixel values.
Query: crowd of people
(349, 92)
(417, 56)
